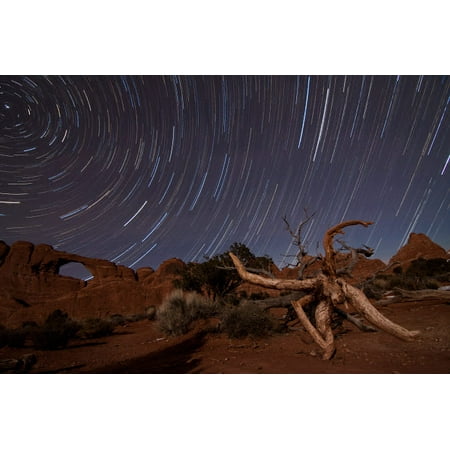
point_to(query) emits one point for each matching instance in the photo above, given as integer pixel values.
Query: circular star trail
(141, 169)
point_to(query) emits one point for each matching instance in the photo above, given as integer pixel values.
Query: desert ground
(140, 347)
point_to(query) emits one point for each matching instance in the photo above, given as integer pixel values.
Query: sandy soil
(141, 348)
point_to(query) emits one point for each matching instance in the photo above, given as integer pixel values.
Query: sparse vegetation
(421, 274)
(177, 313)
(437, 268)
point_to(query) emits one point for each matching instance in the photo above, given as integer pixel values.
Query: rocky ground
(141, 348)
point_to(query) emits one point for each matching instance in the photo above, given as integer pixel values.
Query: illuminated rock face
(418, 246)
(31, 286)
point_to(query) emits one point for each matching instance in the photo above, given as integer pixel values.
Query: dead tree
(327, 291)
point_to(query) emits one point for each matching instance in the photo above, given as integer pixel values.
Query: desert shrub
(12, 337)
(179, 310)
(216, 276)
(56, 331)
(173, 317)
(372, 291)
(95, 328)
(421, 274)
(135, 317)
(2, 336)
(246, 320)
(431, 284)
(17, 338)
(424, 268)
(230, 299)
(257, 296)
(117, 320)
(443, 278)
(150, 312)
(411, 283)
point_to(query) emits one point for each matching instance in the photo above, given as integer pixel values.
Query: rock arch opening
(75, 270)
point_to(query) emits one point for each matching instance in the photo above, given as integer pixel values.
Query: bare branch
(275, 283)
(249, 269)
(302, 253)
(355, 320)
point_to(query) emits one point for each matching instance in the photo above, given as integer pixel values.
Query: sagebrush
(179, 310)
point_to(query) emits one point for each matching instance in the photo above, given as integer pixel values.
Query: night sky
(137, 170)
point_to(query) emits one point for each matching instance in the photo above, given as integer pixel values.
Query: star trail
(139, 169)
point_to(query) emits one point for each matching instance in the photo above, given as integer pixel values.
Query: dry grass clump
(179, 310)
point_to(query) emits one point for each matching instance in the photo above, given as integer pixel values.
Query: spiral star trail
(139, 169)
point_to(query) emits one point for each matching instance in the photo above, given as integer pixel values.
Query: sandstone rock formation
(418, 246)
(31, 286)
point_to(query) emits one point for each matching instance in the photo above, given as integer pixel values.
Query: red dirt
(141, 348)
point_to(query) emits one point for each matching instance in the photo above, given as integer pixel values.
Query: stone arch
(75, 269)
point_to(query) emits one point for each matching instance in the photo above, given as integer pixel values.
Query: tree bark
(362, 304)
(277, 302)
(326, 341)
(330, 253)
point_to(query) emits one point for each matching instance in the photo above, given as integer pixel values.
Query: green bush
(246, 320)
(179, 310)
